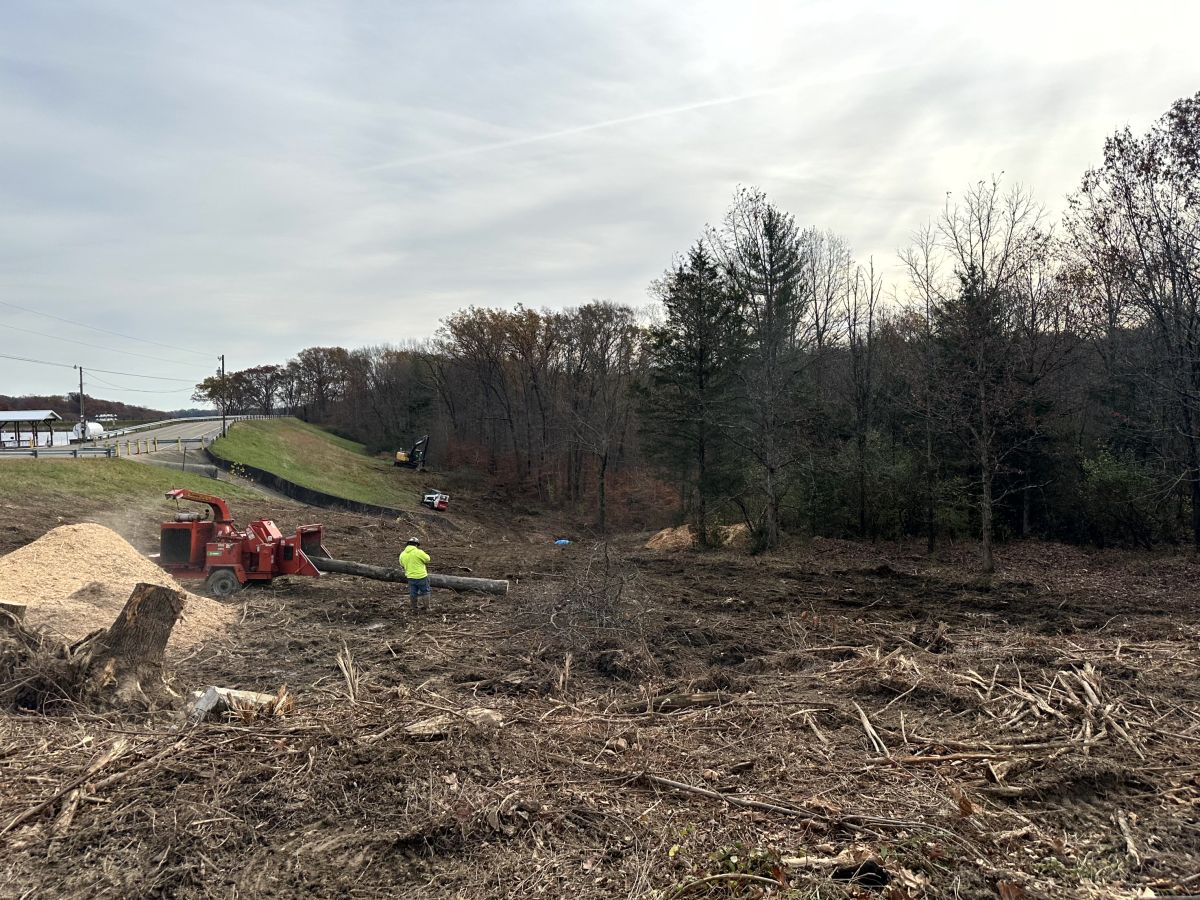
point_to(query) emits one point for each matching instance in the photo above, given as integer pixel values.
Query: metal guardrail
(147, 426)
(119, 449)
(59, 452)
(131, 447)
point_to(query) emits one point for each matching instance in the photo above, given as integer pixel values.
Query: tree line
(67, 406)
(1024, 377)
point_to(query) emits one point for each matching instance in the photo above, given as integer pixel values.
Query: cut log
(14, 609)
(382, 573)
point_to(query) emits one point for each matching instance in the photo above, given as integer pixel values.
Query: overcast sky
(254, 178)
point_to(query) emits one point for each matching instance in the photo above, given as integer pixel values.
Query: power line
(136, 375)
(127, 337)
(122, 387)
(40, 362)
(86, 344)
(43, 362)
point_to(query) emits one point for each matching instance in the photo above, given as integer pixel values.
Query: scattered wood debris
(246, 706)
(654, 725)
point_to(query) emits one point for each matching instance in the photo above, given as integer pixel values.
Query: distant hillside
(68, 407)
(191, 413)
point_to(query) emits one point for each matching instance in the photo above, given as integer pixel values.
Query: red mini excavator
(194, 546)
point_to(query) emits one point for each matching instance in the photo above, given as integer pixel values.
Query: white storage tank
(87, 431)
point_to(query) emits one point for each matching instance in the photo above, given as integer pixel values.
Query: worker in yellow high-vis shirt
(413, 559)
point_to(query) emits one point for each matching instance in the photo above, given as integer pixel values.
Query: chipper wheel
(222, 583)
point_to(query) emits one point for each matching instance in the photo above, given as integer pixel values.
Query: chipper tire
(222, 583)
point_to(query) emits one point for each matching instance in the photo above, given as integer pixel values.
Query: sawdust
(669, 539)
(75, 579)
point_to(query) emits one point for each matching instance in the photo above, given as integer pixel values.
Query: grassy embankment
(103, 480)
(313, 458)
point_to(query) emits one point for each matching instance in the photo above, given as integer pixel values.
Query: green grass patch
(104, 479)
(313, 458)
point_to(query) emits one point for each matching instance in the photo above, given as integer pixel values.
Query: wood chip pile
(671, 539)
(732, 537)
(76, 579)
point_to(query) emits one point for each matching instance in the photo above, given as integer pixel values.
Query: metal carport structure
(36, 419)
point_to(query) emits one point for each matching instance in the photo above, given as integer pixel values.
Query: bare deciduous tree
(607, 340)
(1137, 221)
(860, 311)
(988, 240)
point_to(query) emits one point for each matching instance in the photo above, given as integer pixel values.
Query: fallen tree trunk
(381, 573)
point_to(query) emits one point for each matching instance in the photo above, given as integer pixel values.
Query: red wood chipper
(194, 546)
(228, 557)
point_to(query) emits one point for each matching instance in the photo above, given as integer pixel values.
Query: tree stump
(14, 609)
(125, 662)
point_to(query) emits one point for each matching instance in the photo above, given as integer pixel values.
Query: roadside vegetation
(104, 479)
(314, 458)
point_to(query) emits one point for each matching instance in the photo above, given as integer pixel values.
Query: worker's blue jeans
(418, 587)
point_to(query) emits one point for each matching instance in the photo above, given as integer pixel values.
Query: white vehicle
(87, 431)
(437, 500)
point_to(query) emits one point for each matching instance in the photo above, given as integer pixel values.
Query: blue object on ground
(562, 542)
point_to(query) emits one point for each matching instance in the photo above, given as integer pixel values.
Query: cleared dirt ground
(836, 720)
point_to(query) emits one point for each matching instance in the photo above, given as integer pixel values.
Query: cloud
(254, 179)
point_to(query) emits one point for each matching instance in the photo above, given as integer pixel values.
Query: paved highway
(207, 429)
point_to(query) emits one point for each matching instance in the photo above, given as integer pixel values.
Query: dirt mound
(76, 579)
(732, 537)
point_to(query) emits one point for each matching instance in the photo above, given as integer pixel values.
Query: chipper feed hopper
(195, 546)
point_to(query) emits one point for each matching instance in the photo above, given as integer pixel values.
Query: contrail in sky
(567, 132)
(823, 81)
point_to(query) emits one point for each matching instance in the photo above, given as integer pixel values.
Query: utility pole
(82, 420)
(224, 396)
